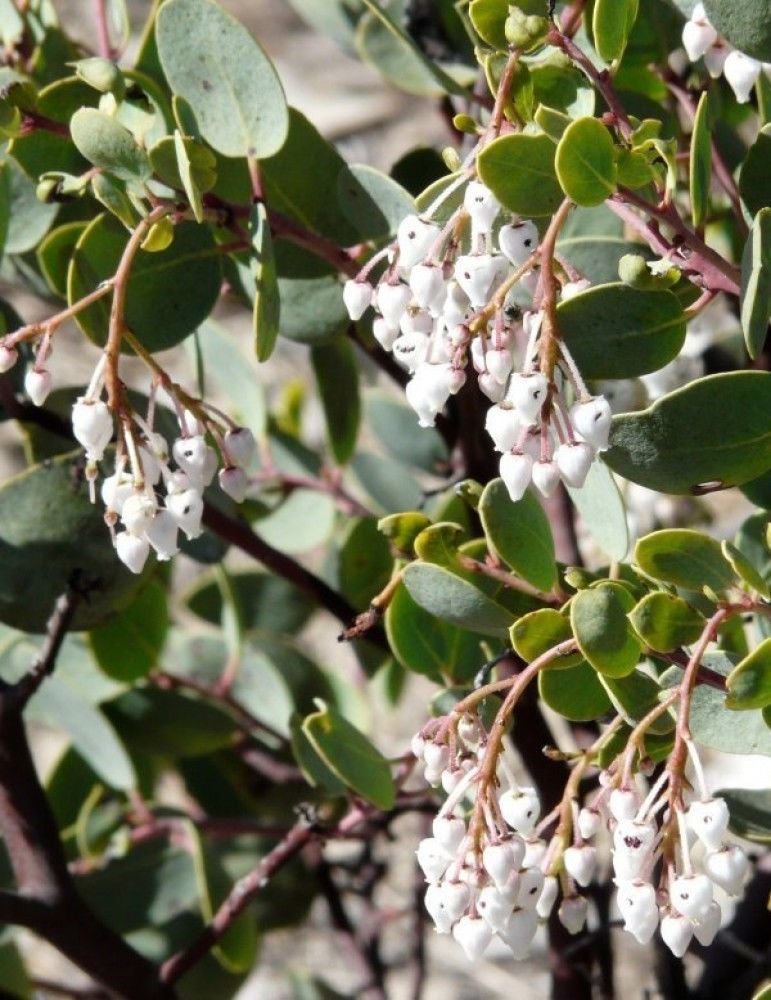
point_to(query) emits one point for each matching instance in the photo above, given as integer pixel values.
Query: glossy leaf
(393, 423)
(106, 144)
(51, 534)
(54, 253)
(364, 563)
(602, 510)
(169, 294)
(519, 533)
(337, 378)
(700, 163)
(214, 63)
(746, 25)
(576, 693)
(537, 632)
(684, 558)
(749, 683)
(614, 331)
(312, 309)
(425, 645)
(453, 599)
(604, 636)
(265, 602)
(302, 521)
(387, 481)
(744, 568)
(755, 176)
(519, 170)
(127, 647)
(715, 430)
(664, 622)
(28, 218)
(488, 18)
(372, 201)
(350, 755)
(756, 283)
(634, 696)
(750, 811)
(314, 769)
(585, 162)
(267, 304)
(402, 530)
(612, 23)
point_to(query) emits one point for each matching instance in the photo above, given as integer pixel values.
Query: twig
(56, 631)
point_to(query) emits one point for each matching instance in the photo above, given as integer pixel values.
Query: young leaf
(214, 63)
(700, 164)
(612, 23)
(614, 331)
(488, 18)
(599, 622)
(664, 621)
(108, 145)
(537, 632)
(714, 431)
(602, 511)
(519, 170)
(756, 283)
(454, 600)
(350, 755)
(519, 533)
(267, 304)
(337, 377)
(684, 558)
(749, 683)
(585, 162)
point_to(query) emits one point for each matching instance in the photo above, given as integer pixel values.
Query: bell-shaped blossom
(589, 822)
(411, 349)
(92, 426)
(520, 808)
(384, 334)
(574, 461)
(504, 425)
(516, 471)
(592, 420)
(709, 821)
(580, 863)
(527, 393)
(691, 895)
(449, 831)
(240, 445)
(186, 507)
(572, 913)
(501, 859)
(482, 205)
(473, 935)
(529, 887)
(138, 511)
(741, 72)
(392, 300)
(698, 33)
(676, 933)
(414, 237)
(428, 286)
(8, 358)
(234, 481)
(519, 932)
(727, 868)
(477, 275)
(546, 476)
(433, 859)
(38, 384)
(494, 908)
(132, 550)
(161, 533)
(705, 930)
(357, 296)
(548, 897)
(518, 240)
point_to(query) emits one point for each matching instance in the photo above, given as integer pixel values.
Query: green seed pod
(465, 123)
(633, 270)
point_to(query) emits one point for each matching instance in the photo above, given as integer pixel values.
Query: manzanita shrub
(507, 341)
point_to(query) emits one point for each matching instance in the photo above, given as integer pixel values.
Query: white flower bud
(698, 36)
(151, 467)
(516, 472)
(637, 903)
(520, 809)
(572, 913)
(709, 821)
(727, 868)
(92, 426)
(499, 364)
(418, 746)
(240, 445)
(574, 462)
(705, 930)
(518, 241)
(691, 895)
(482, 205)
(473, 935)
(116, 490)
(38, 384)
(546, 477)
(132, 550)
(548, 897)
(741, 72)
(428, 390)
(622, 804)
(447, 902)
(504, 425)
(410, 350)
(432, 858)
(676, 933)
(414, 237)
(632, 848)
(235, 482)
(392, 301)
(519, 932)
(529, 888)
(535, 852)
(592, 420)
(186, 508)
(580, 863)
(477, 274)
(357, 296)
(138, 511)
(161, 533)
(527, 393)
(501, 859)
(436, 755)
(428, 286)
(715, 57)
(455, 305)
(8, 358)
(449, 778)
(572, 288)
(190, 454)
(491, 387)
(384, 334)
(589, 822)
(449, 831)
(494, 908)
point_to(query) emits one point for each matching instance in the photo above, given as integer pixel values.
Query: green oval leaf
(749, 683)
(664, 621)
(104, 142)
(576, 693)
(539, 631)
(213, 63)
(634, 696)
(519, 170)
(755, 176)
(684, 558)
(585, 162)
(746, 25)
(266, 309)
(453, 599)
(519, 533)
(337, 378)
(715, 430)
(169, 293)
(602, 510)
(127, 647)
(612, 23)
(755, 295)
(599, 623)
(50, 535)
(700, 163)
(614, 331)
(750, 811)
(350, 755)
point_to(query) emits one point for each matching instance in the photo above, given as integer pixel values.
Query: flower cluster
(155, 491)
(439, 307)
(701, 40)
